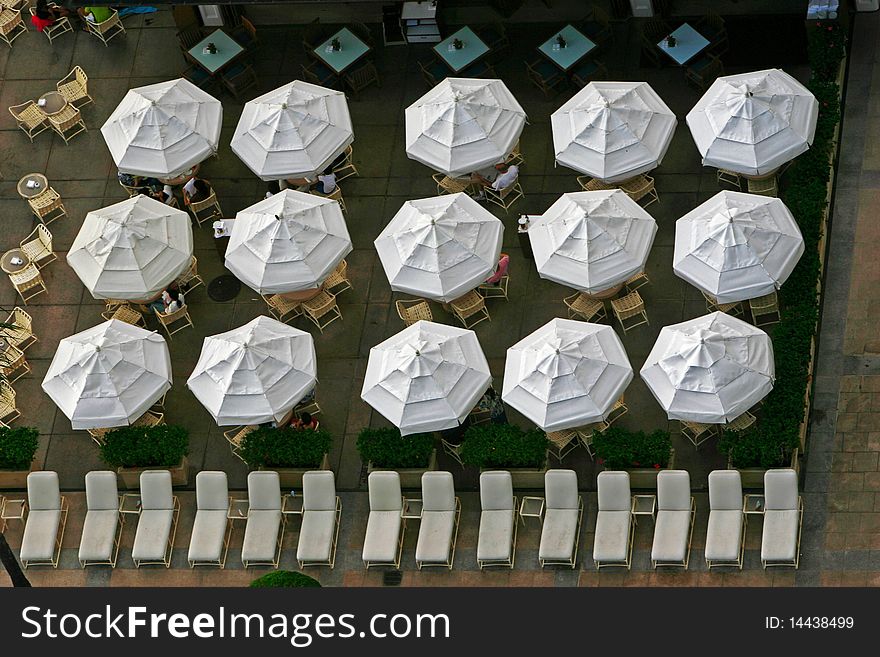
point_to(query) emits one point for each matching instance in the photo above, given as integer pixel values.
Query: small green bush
(284, 579)
(145, 447)
(285, 447)
(386, 448)
(17, 447)
(619, 449)
(494, 445)
(753, 449)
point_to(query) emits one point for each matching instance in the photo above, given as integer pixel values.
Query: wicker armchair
(180, 317)
(630, 307)
(67, 123)
(47, 206)
(206, 210)
(75, 87)
(8, 411)
(38, 246)
(282, 308)
(56, 29)
(322, 309)
(21, 334)
(11, 25)
(28, 283)
(106, 29)
(413, 310)
(29, 118)
(190, 279)
(470, 309)
(338, 280)
(14, 364)
(581, 306)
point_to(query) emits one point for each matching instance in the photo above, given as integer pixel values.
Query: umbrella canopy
(290, 241)
(108, 375)
(132, 249)
(737, 246)
(592, 241)
(163, 129)
(428, 377)
(753, 123)
(711, 369)
(255, 373)
(463, 125)
(566, 374)
(440, 247)
(294, 131)
(612, 130)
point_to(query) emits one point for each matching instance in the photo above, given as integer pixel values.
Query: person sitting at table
(304, 422)
(45, 14)
(170, 300)
(507, 175)
(500, 270)
(326, 183)
(165, 195)
(129, 180)
(195, 190)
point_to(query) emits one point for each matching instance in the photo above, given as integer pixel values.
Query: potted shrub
(132, 450)
(641, 454)
(289, 452)
(411, 456)
(495, 446)
(284, 579)
(17, 449)
(754, 451)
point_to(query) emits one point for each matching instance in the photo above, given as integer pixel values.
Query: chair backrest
(725, 490)
(249, 28)
(264, 491)
(198, 206)
(319, 490)
(212, 491)
(156, 490)
(673, 490)
(438, 491)
(43, 491)
(168, 318)
(780, 489)
(384, 491)
(44, 236)
(613, 490)
(7, 392)
(81, 77)
(21, 319)
(496, 491)
(102, 494)
(561, 489)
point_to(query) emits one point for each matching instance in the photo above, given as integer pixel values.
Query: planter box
(131, 477)
(15, 479)
(293, 477)
(410, 477)
(525, 477)
(754, 477)
(647, 477)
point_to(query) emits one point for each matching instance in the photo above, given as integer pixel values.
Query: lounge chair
(612, 544)
(385, 528)
(783, 519)
(725, 536)
(264, 531)
(562, 519)
(438, 528)
(157, 520)
(209, 542)
(99, 544)
(322, 510)
(675, 519)
(496, 543)
(47, 517)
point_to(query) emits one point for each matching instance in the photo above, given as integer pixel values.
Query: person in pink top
(500, 270)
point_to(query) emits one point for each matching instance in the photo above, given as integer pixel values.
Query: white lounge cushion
(316, 536)
(611, 541)
(151, 538)
(724, 535)
(264, 491)
(558, 534)
(496, 535)
(99, 532)
(671, 536)
(779, 538)
(435, 536)
(208, 534)
(383, 533)
(261, 535)
(40, 531)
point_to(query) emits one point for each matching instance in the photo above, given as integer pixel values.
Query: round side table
(31, 185)
(10, 267)
(52, 102)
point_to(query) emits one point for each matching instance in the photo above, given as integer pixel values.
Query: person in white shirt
(326, 183)
(507, 175)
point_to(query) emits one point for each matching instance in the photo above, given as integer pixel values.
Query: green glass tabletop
(576, 47)
(351, 49)
(471, 50)
(227, 50)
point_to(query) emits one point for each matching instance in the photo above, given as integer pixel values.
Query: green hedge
(141, 447)
(775, 435)
(620, 449)
(284, 579)
(494, 445)
(285, 447)
(386, 448)
(17, 447)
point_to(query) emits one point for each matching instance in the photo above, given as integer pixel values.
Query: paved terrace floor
(84, 174)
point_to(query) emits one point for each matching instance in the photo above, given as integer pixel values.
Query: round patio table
(182, 178)
(10, 267)
(302, 295)
(52, 102)
(39, 184)
(606, 294)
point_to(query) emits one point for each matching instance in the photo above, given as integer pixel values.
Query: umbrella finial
(278, 217)
(284, 106)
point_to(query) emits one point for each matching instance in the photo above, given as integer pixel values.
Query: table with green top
(458, 59)
(577, 46)
(228, 49)
(350, 50)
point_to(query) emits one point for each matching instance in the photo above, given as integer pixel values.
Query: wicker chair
(235, 436)
(75, 87)
(321, 309)
(636, 281)
(490, 291)
(765, 309)
(106, 29)
(67, 123)
(590, 184)
(38, 246)
(206, 210)
(47, 206)
(338, 280)
(740, 422)
(190, 279)
(28, 283)
(413, 310)
(581, 306)
(29, 118)
(347, 168)
(698, 432)
(453, 450)
(630, 307)
(447, 185)
(562, 442)
(280, 307)
(21, 332)
(11, 25)
(167, 320)
(14, 365)
(766, 186)
(335, 195)
(729, 177)
(617, 410)
(8, 411)
(149, 419)
(515, 158)
(735, 309)
(126, 313)
(506, 197)
(639, 188)
(470, 309)
(56, 29)
(362, 77)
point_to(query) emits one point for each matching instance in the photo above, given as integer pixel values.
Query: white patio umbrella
(294, 131)
(612, 130)
(753, 123)
(108, 375)
(163, 129)
(737, 246)
(132, 249)
(566, 374)
(711, 369)
(290, 241)
(440, 247)
(592, 241)
(255, 373)
(463, 125)
(428, 377)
